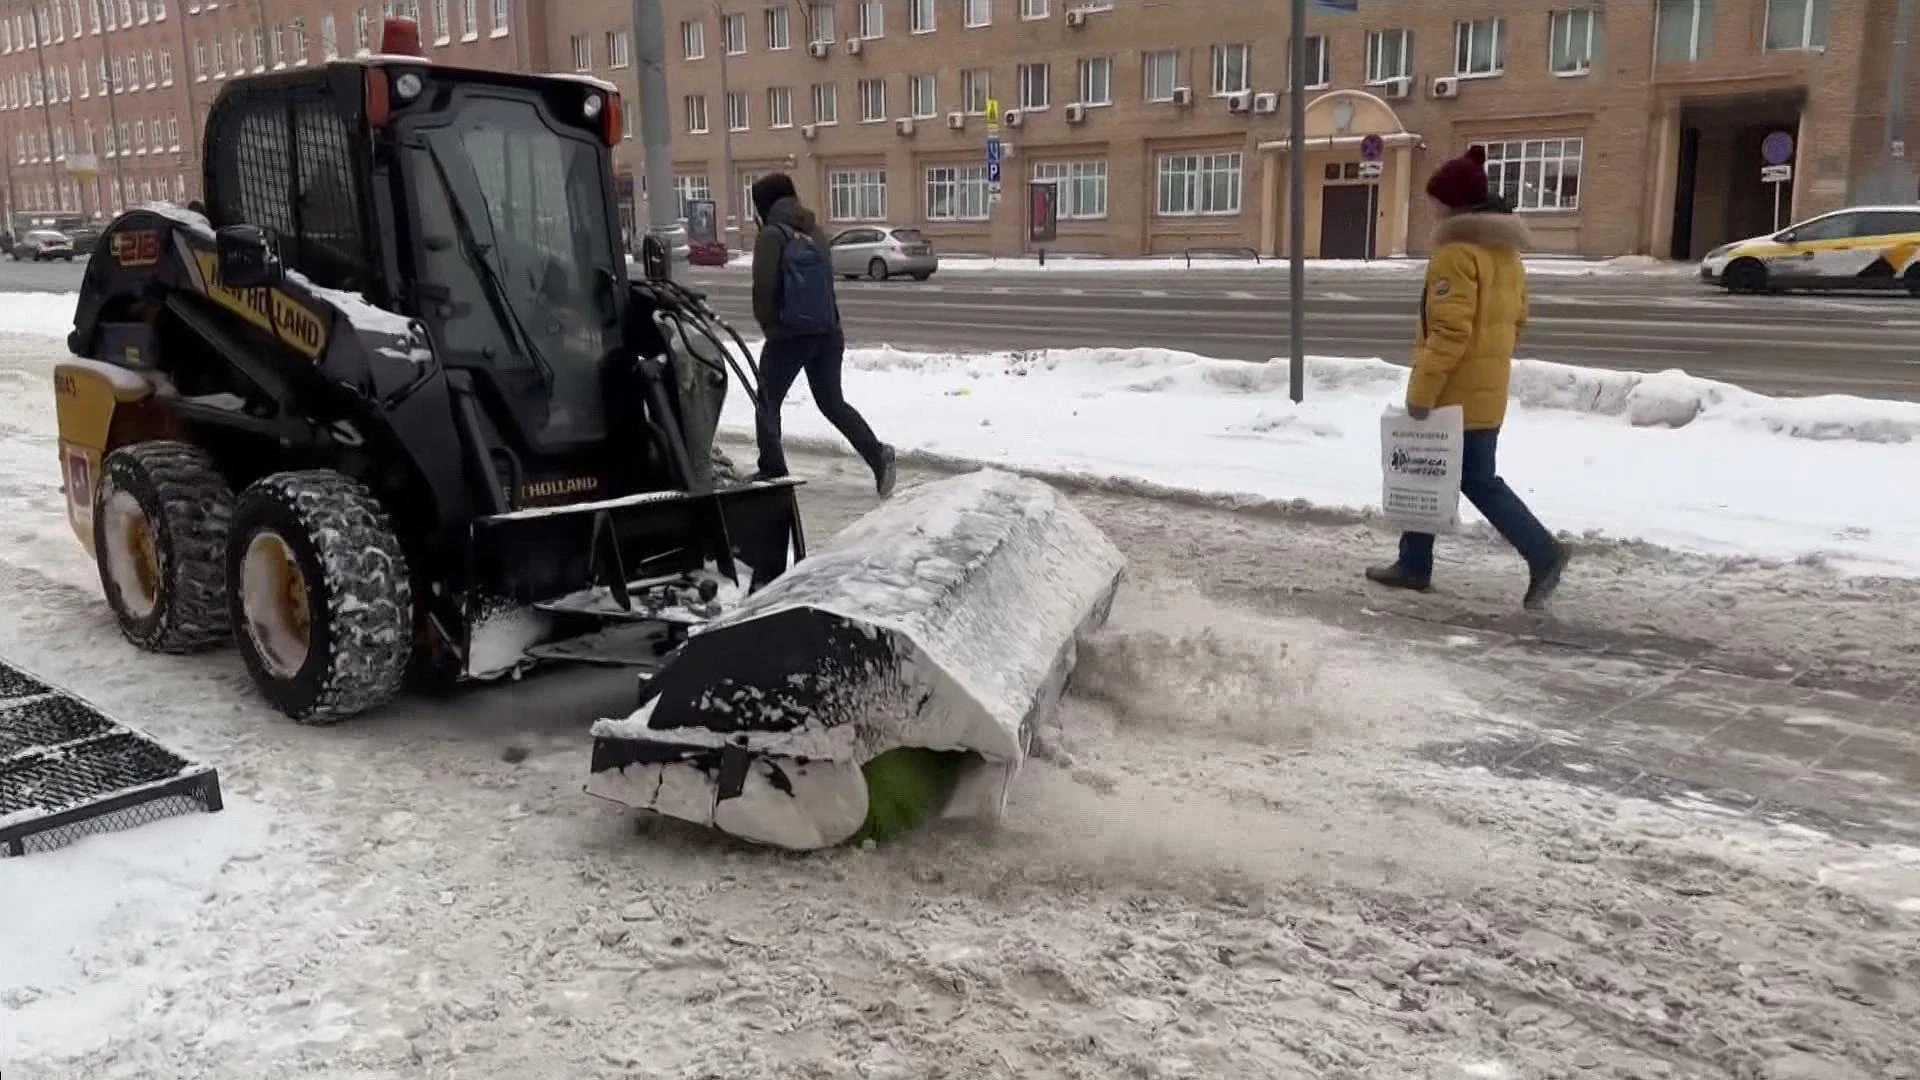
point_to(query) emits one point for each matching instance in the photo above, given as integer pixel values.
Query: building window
(1573, 34)
(924, 93)
(1080, 187)
(779, 28)
(166, 70)
(690, 189)
(1160, 73)
(298, 30)
(618, 44)
(469, 20)
(1683, 30)
(1036, 86)
(1319, 64)
(1096, 81)
(1232, 69)
(696, 114)
(582, 53)
(957, 193)
(872, 19)
(259, 49)
(857, 195)
(329, 38)
(693, 40)
(499, 18)
(1196, 184)
(737, 116)
(921, 16)
(873, 100)
(780, 106)
(1033, 9)
(1536, 174)
(733, 34)
(1796, 24)
(1480, 47)
(826, 103)
(979, 12)
(1389, 55)
(442, 23)
(976, 86)
(820, 22)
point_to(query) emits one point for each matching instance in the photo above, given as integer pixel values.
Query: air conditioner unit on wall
(904, 125)
(1076, 112)
(1240, 101)
(1446, 86)
(1013, 117)
(808, 131)
(957, 120)
(1076, 17)
(854, 46)
(1396, 88)
(819, 50)
(1183, 95)
(1266, 102)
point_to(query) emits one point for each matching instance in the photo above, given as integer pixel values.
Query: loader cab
(479, 202)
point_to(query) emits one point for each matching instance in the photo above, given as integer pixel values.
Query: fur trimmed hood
(1483, 229)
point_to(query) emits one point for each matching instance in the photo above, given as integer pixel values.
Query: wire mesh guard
(69, 771)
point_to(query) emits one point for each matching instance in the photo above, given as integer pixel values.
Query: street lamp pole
(48, 91)
(113, 108)
(723, 204)
(1297, 209)
(1896, 176)
(656, 131)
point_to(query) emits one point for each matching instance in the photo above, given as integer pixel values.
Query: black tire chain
(368, 590)
(195, 513)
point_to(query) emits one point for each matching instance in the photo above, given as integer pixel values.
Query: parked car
(41, 245)
(706, 253)
(882, 251)
(1861, 247)
(85, 237)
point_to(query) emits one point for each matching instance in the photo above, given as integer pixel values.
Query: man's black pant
(820, 356)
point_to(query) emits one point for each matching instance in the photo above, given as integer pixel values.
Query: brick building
(102, 101)
(1616, 125)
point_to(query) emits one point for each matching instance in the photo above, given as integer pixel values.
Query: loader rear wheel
(161, 513)
(320, 595)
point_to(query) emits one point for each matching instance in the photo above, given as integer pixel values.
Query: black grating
(67, 771)
(283, 159)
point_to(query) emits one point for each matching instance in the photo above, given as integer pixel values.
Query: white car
(1861, 247)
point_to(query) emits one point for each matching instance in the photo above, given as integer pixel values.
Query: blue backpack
(806, 286)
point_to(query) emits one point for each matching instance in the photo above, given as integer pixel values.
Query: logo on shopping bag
(1411, 464)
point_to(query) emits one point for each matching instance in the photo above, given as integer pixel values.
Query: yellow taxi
(1862, 247)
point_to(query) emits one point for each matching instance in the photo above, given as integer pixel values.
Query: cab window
(1890, 223)
(1831, 227)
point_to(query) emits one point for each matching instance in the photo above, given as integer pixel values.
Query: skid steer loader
(392, 406)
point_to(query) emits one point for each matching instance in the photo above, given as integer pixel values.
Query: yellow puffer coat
(1471, 316)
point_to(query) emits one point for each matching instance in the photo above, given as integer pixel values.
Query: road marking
(1073, 292)
(1154, 293)
(1242, 296)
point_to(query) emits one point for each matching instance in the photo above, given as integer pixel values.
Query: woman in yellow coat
(1471, 316)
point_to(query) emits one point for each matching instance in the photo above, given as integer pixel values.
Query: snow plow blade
(941, 626)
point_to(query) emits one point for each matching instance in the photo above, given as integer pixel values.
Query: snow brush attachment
(895, 676)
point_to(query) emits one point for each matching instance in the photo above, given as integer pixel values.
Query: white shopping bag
(1420, 468)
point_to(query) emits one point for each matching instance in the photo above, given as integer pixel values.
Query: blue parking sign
(993, 161)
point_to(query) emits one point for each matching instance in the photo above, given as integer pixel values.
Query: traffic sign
(1776, 174)
(994, 150)
(1897, 151)
(1777, 148)
(1372, 147)
(993, 114)
(1370, 170)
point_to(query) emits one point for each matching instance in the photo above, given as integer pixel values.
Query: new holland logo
(271, 310)
(559, 487)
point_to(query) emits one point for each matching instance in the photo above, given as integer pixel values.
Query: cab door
(1890, 244)
(1815, 250)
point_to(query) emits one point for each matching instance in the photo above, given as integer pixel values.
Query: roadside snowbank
(47, 313)
(1666, 458)
(1543, 265)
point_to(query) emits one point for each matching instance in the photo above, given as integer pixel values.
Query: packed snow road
(1297, 830)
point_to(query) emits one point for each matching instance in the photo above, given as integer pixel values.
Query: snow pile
(1665, 458)
(47, 314)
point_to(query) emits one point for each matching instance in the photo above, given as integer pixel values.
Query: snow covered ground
(1666, 458)
(1248, 865)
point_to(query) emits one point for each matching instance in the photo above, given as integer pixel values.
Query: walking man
(1471, 315)
(794, 303)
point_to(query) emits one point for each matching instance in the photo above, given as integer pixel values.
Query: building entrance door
(1346, 221)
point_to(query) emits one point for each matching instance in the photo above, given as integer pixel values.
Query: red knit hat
(1462, 182)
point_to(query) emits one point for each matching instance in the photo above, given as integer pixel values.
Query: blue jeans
(1496, 502)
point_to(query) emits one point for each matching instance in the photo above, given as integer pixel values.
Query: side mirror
(245, 257)
(1787, 237)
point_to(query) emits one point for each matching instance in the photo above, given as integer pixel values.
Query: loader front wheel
(320, 595)
(161, 512)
